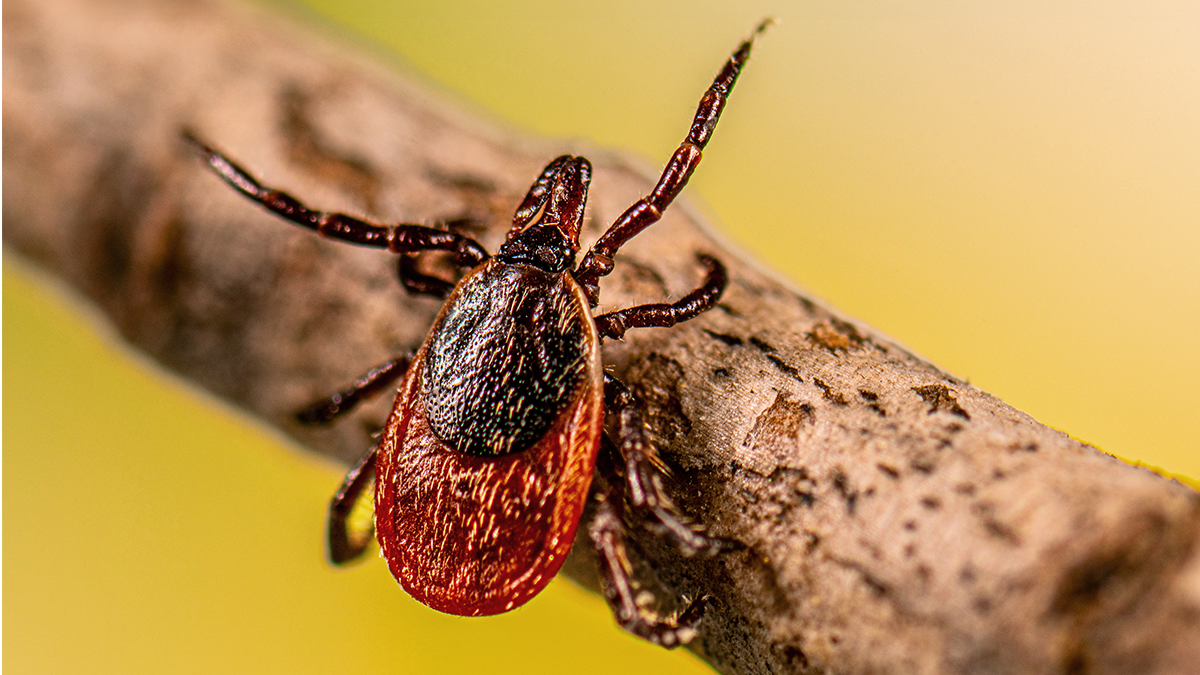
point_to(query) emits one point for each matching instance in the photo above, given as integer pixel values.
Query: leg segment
(646, 211)
(418, 283)
(629, 603)
(644, 473)
(374, 381)
(339, 226)
(614, 324)
(342, 547)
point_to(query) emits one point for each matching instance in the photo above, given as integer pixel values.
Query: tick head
(559, 195)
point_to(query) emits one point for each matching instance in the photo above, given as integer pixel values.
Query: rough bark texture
(895, 519)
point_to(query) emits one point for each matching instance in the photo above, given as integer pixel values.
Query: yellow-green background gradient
(1010, 189)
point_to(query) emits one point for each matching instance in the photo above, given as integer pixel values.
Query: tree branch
(895, 519)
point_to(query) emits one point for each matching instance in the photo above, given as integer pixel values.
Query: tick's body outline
(484, 466)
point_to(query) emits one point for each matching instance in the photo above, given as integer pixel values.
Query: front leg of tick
(598, 262)
(400, 238)
(614, 324)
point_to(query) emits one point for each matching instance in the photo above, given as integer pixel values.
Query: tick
(483, 469)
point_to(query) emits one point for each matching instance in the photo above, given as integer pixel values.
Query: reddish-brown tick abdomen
(481, 532)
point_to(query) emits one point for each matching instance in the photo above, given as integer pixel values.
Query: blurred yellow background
(1010, 189)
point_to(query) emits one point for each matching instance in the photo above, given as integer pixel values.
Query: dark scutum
(508, 357)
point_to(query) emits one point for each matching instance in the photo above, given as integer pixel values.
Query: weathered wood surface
(895, 519)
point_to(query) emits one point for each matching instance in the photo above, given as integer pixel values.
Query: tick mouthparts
(568, 196)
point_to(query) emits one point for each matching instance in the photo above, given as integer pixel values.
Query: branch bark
(895, 518)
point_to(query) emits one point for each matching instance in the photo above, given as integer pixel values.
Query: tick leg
(629, 603)
(644, 474)
(339, 226)
(342, 547)
(417, 283)
(614, 324)
(373, 382)
(646, 211)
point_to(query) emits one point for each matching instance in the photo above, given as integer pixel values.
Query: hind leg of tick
(632, 605)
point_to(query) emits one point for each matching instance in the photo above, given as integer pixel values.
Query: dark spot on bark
(965, 489)
(111, 208)
(116, 260)
(811, 541)
(720, 372)
(786, 368)
(829, 394)
(835, 335)
(775, 496)
(877, 586)
(993, 526)
(841, 483)
(941, 398)
(308, 148)
(1082, 585)
(463, 487)
(761, 345)
(731, 340)
(790, 488)
(982, 605)
(922, 465)
(168, 264)
(1031, 446)
(910, 550)
(888, 471)
(1001, 531)
(798, 474)
(998, 474)
(656, 382)
(777, 429)
(749, 495)
(868, 395)
(1075, 660)
(793, 657)
(770, 352)
(966, 575)
(133, 239)
(924, 574)
(910, 525)
(930, 502)
(728, 310)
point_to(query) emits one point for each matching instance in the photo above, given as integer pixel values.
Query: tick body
(484, 466)
(487, 457)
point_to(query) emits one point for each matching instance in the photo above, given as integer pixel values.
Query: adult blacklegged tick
(483, 470)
